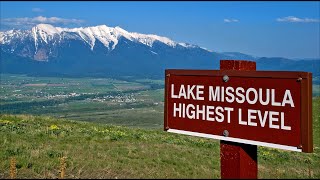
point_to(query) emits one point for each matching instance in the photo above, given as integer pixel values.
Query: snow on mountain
(7, 36)
(113, 51)
(108, 36)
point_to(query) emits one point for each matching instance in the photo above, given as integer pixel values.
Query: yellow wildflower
(54, 127)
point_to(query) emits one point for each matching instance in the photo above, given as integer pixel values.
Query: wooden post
(237, 160)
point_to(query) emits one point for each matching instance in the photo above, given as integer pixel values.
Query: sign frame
(305, 78)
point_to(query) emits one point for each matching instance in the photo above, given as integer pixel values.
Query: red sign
(265, 108)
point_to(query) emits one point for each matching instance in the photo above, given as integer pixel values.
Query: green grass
(96, 150)
(101, 151)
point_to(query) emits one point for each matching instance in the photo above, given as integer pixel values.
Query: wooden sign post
(243, 108)
(238, 160)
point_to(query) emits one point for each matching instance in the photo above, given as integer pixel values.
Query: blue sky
(271, 29)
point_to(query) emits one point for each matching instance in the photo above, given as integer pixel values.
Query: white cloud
(230, 20)
(37, 10)
(296, 19)
(27, 22)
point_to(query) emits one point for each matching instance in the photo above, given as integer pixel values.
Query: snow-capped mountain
(43, 39)
(103, 51)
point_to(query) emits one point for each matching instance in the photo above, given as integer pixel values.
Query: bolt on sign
(265, 108)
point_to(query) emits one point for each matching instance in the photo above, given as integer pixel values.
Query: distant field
(124, 101)
(316, 90)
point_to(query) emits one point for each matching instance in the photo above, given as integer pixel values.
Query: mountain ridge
(106, 35)
(103, 50)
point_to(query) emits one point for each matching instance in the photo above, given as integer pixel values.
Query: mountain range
(113, 51)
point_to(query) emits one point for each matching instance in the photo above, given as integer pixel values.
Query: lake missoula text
(255, 117)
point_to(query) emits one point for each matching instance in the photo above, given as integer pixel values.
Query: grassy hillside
(94, 150)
